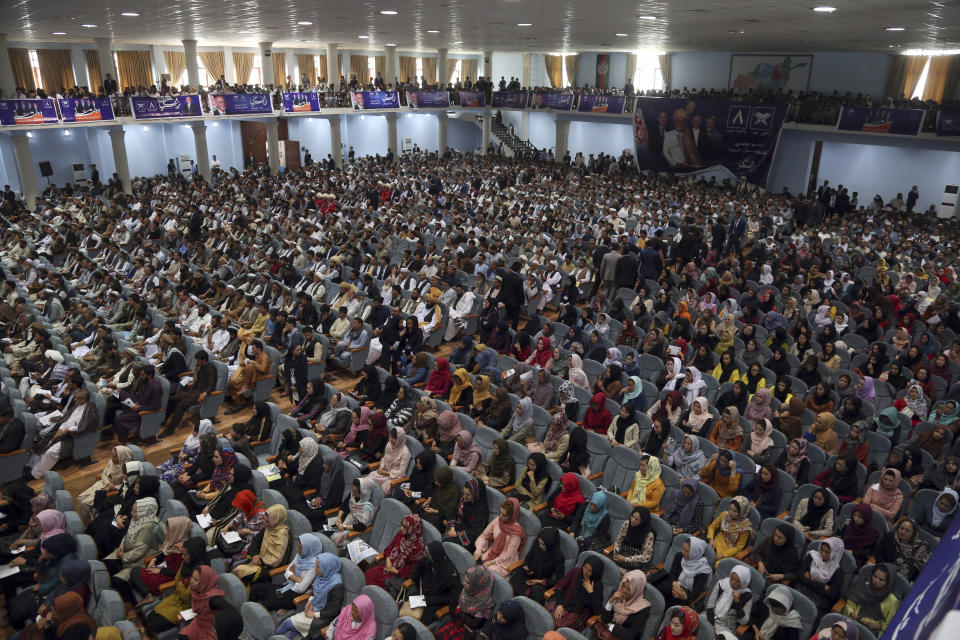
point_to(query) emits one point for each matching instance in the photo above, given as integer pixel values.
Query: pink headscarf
(363, 425)
(368, 620)
(51, 523)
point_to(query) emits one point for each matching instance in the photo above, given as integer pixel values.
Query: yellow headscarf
(276, 536)
(481, 391)
(461, 381)
(640, 482)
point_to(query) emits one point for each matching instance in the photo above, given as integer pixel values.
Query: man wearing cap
(56, 441)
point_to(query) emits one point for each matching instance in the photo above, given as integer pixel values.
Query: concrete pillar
(200, 142)
(525, 71)
(266, 67)
(273, 145)
(390, 75)
(120, 156)
(107, 67)
(78, 60)
(336, 146)
(487, 127)
(8, 85)
(159, 59)
(442, 134)
(392, 134)
(443, 76)
(487, 66)
(28, 175)
(563, 139)
(333, 71)
(229, 68)
(193, 64)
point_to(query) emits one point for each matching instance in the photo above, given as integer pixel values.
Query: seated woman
(633, 546)
(758, 408)
(259, 426)
(564, 506)
(441, 505)
(914, 405)
(466, 454)
(577, 457)
(683, 508)
(730, 532)
(669, 410)
(143, 538)
(858, 534)
(371, 442)
(795, 462)
(401, 554)
(401, 409)
(578, 596)
(356, 514)
(737, 397)
(855, 442)
(592, 530)
(461, 391)
(775, 618)
(481, 398)
(904, 548)
(764, 491)
(269, 547)
(936, 520)
(367, 389)
(821, 433)
(393, 465)
(304, 472)
(627, 610)
(475, 606)
(239, 441)
(325, 602)
(721, 474)
(421, 481)
(145, 583)
(686, 579)
(684, 623)
(40, 572)
(299, 576)
(597, 417)
(472, 515)
(535, 482)
(329, 491)
(111, 478)
(698, 419)
(250, 519)
(648, 488)
(221, 507)
(497, 412)
(359, 428)
(439, 380)
(498, 470)
(312, 405)
(820, 578)
(814, 515)
(508, 623)
(192, 474)
(730, 603)
(885, 496)
(436, 579)
(841, 478)
(448, 428)
(499, 545)
(777, 557)
(356, 621)
(819, 399)
(335, 419)
(166, 614)
(540, 570)
(687, 459)
(520, 426)
(624, 430)
(727, 433)
(223, 459)
(871, 602)
(759, 446)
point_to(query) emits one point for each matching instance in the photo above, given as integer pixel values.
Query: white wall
(8, 163)
(506, 65)
(224, 141)
(313, 134)
(367, 134)
(542, 130)
(146, 149)
(61, 151)
(594, 137)
(422, 128)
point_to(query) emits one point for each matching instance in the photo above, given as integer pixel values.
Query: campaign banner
(183, 106)
(366, 100)
(602, 104)
(549, 100)
(428, 99)
(296, 102)
(948, 123)
(510, 99)
(21, 112)
(707, 137)
(234, 104)
(472, 99)
(85, 109)
(905, 122)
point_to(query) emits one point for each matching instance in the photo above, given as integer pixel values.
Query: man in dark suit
(204, 383)
(511, 293)
(656, 131)
(12, 430)
(191, 108)
(94, 175)
(109, 85)
(738, 227)
(626, 269)
(148, 396)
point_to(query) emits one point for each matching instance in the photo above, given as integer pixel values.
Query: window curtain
(93, 69)
(305, 68)
(380, 67)
(213, 62)
(468, 69)
(936, 78)
(279, 68)
(176, 65)
(952, 83)
(554, 70)
(408, 69)
(22, 71)
(321, 71)
(56, 70)
(359, 67)
(665, 69)
(631, 67)
(903, 76)
(573, 63)
(134, 69)
(430, 70)
(451, 70)
(243, 62)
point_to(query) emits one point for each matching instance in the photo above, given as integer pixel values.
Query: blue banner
(510, 99)
(905, 122)
(602, 104)
(24, 112)
(232, 104)
(85, 109)
(707, 137)
(472, 99)
(550, 100)
(428, 99)
(183, 106)
(296, 102)
(366, 100)
(948, 123)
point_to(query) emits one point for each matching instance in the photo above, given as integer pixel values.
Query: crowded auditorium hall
(626, 329)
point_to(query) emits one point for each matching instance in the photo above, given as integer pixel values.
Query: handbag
(405, 608)
(229, 548)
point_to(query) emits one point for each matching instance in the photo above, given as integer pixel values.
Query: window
(419, 70)
(371, 69)
(317, 71)
(35, 67)
(457, 71)
(647, 76)
(566, 79)
(922, 82)
(256, 75)
(205, 78)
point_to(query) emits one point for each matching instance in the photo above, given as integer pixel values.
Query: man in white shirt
(459, 311)
(79, 419)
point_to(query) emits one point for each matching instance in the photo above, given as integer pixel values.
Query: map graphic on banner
(472, 99)
(183, 106)
(428, 99)
(948, 123)
(602, 104)
(366, 100)
(878, 120)
(85, 109)
(510, 99)
(707, 137)
(558, 101)
(25, 112)
(297, 102)
(230, 104)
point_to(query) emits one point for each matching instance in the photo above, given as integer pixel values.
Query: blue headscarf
(311, 547)
(322, 584)
(591, 520)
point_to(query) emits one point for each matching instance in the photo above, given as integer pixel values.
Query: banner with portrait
(602, 104)
(707, 137)
(367, 100)
(510, 99)
(26, 112)
(878, 120)
(297, 102)
(85, 109)
(428, 99)
(235, 104)
(472, 99)
(550, 100)
(182, 106)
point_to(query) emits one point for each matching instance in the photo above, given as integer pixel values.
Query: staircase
(514, 143)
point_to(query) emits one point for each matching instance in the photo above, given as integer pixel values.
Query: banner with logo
(22, 112)
(707, 137)
(879, 120)
(603, 70)
(296, 102)
(602, 104)
(366, 100)
(472, 99)
(234, 104)
(549, 100)
(183, 106)
(510, 99)
(428, 99)
(948, 123)
(85, 109)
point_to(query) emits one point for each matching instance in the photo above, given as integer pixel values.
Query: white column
(525, 71)
(487, 126)
(390, 75)
(333, 71)
(266, 67)
(392, 135)
(443, 76)
(193, 65)
(8, 85)
(487, 66)
(273, 145)
(563, 139)
(200, 142)
(120, 157)
(159, 61)
(104, 47)
(442, 134)
(336, 146)
(229, 68)
(78, 60)
(28, 175)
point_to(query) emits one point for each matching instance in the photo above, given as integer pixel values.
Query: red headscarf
(691, 622)
(201, 627)
(542, 356)
(567, 500)
(510, 528)
(406, 548)
(247, 502)
(598, 416)
(440, 378)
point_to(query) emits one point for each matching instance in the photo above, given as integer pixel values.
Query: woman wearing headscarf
(520, 426)
(498, 470)
(855, 442)
(904, 548)
(298, 576)
(840, 630)
(336, 419)
(683, 508)
(143, 538)
(936, 442)
(759, 446)
(722, 474)
(269, 547)
(821, 433)
(764, 491)
(439, 380)
(164, 566)
(471, 515)
(624, 430)
(730, 602)
(577, 457)
(686, 459)
(461, 391)
(329, 492)
(627, 610)
(356, 621)
(871, 601)
(215, 617)
(357, 514)
(668, 410)
(223, 459)
(110, 480)
(730, 532)
(774, 618)
(499, 545)
(592, 531)
(936, 519)
(727, 433)
(819, 399)
(814, 516)
(475, 606)
(633, 546)
(542, 392)
(791, 418)
(597, 417)
(578, 596)
(401, 554)
(250, 519)
(165, 615)
(683, 624)
(40, 574)
(647, 489)
(840, 477)
(304, 472)
(885, 495)
(858, 533)
(777, 557)
(697, 419)
(436, 578)
(540, 570)
(576, 374)
(65, 619)
(795, 462)
(759, 406)
(323, 605)
(221, 507)
(448, 428)
(565, 505)
(914, 404)
(313, 403)
(441, 505)
(820, 577)
(532, 488)
(393, 465)
(367, 389)
(466, 454)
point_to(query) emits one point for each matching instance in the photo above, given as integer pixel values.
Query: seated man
(56, 441)
(204, 381)
(148, 396)
(248, 370)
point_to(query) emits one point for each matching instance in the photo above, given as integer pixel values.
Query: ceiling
(478, 25)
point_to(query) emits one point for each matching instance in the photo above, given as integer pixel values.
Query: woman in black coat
(542, 568)
(435, 578)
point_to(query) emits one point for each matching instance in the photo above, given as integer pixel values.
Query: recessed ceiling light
(895, 29)
(89, 26)
(305, 23)
(824, 9)
(432, 31)
(391, 44)
(458, 42)
(59, 33)
(130, 14)
(364, 37)
(647, 17)
(66, 132)
(620, 35)
(388, 12)
(308, 41)
(244, 31)
(524, 24)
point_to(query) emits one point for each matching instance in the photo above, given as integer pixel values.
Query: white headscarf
(692, 390)
(766, 274)
(204, 427)
(821, 571)
(790, 618)
(696, 564)
(725, 601)
(308, 451)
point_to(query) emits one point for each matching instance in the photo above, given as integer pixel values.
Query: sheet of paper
(129, 403)
(188, 614)
(204, 520)
(231, 537)
(7, 570)
(418, 602)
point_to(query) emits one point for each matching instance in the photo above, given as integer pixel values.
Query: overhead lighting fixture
(66, 132)
(89, 26)
(364, 37)
(824, 9)
(144, 127)
(895, 29)
(458, 42)
(391, 44)
(244, 31)
(304, 23)
(29, 134)
(130, 14)
(59, 33)
(620, 35)
(432, 31)
(647, 17)
(388, 12)
(524, 24)
(308, 41)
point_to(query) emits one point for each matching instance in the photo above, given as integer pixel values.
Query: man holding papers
(56, 441)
